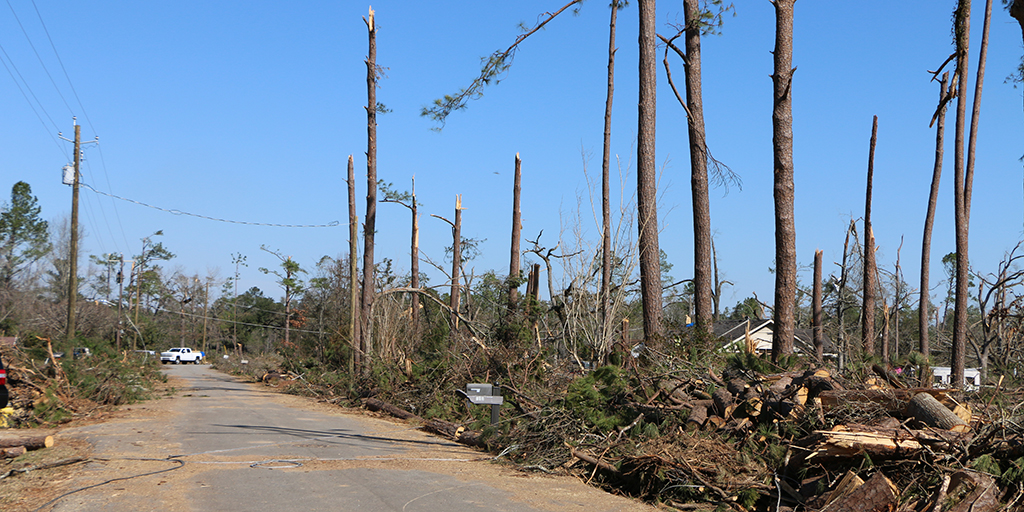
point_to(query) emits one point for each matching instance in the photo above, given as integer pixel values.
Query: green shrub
(598, 397)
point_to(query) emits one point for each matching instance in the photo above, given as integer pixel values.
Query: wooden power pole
(73, 246)
(73, 252)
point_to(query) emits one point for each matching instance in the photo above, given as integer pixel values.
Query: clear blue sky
(248, 110)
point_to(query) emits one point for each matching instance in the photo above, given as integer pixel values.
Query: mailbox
(484, 394)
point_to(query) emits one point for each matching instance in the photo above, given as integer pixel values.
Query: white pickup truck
(180, 355)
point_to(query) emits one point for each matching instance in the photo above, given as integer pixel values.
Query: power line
(30, 104)
(23, 31)
(179, 212)
(215, 319)
(103, 213)
(86, 114)
(117, 214)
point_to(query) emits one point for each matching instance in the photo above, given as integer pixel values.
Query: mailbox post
(486, 394)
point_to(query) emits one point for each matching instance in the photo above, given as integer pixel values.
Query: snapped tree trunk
(355, 361)
(782, 146)
(369, 228)
(456, 263)
(963, 181)
(414, 263)
(945, 94)
(647, 191)
(817, 326)
(517, 227)
(867, 316)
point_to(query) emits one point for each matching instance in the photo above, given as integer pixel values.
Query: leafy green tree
(101, 282)
(287, 278)
(256, 313)
(146, 274)
(749, 308)
(24, 236)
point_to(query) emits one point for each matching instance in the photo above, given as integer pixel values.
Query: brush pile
(746, 439)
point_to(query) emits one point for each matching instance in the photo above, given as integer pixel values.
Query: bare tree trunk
(517, 227)
(647, 190)
(962, 25)
(965, 177)
(353, 269)
(817, 327)
(606, 216)
(456, 263)
(929, 220)
(782, 145)
(369, 227)
(716, 297)
(867, 316)
(414, 264)
(702, 286)
(844, 273)
(287, 304)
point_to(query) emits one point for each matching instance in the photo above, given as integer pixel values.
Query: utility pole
(120, 300)
(73, 250)
(206, 309)
(138, 277)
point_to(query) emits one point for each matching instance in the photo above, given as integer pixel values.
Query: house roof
(762, 330)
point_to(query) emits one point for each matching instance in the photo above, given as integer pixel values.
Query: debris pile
(746, 440)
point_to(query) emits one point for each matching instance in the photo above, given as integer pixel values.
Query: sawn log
(30, 443)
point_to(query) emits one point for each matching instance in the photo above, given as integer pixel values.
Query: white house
(734, 336)
(941, 376)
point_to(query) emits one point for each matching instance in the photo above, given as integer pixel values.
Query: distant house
(761, 333)
(942, 374)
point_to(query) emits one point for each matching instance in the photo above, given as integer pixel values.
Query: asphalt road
(216, 444)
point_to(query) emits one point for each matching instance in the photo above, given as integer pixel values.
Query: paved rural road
(218, 444)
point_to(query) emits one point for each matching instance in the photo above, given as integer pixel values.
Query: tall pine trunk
(647, 208)
(964, 175)
(606, 215)
(702, 277)
(782, 145)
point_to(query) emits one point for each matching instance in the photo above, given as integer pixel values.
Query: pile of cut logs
(13, 446)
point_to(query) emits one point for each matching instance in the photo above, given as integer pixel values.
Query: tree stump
(878, 494)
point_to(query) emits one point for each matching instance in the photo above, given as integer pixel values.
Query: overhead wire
(85, 113)
(117, 214)
(60, 148)
(41, 63)
(236, 322)
(103, 213)
(68, 77)
(179, 212)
